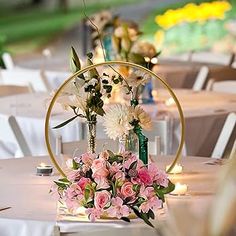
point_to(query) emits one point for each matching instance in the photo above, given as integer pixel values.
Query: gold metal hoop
(108, 63)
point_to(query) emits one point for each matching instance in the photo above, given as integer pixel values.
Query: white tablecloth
(33, 211)
(204, 112)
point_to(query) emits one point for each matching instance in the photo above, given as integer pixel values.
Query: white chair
(227, 86)
(233, 151)
(201, 78)
(225, 136)
(80, 147)
(162, 130)
(54, 79)
(7, 60)
(154, 147)
(7, 90)
(24, 77)
(212, 58)
(12, 134)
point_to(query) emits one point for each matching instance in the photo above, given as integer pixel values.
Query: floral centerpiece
(113, 185)
(110, 184)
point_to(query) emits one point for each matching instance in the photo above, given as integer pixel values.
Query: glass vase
(91, 136)
(129, 143)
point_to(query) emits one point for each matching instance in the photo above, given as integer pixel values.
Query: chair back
(212, 58)
(227, 86)
(7, 60)
(201, 78)
(154, 147)
(7, 90)
(225, 136)
(12, 134)
(161, 129)
(24, 77)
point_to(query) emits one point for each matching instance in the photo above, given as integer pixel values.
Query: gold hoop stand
(109, 63)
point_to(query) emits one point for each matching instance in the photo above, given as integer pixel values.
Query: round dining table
(204, 112)
(27, 208)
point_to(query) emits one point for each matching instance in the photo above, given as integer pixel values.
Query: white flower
(143, 117)
(117, 121)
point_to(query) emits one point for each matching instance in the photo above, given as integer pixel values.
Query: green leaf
(126, 219)
(113, 188)
(133, 165)
(137, 58)
(151, 214)
(75, 62)
(61, 184)
(93, 73)
(86, 193)
(65, 122)
(168, 189)
(75, 165)
(65, 180)
(89, 55)
(99, 111)
(143, 216)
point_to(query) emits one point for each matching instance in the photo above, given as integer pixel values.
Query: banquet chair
(24, 77)
(7, 60)
(12, 134)
(154, 147)
(201, 78)
(160, 137)
(227, 86)
(80, 147)
(7, 90)
(212, 58)
(225, 137)
(53, 79)
(233, 151)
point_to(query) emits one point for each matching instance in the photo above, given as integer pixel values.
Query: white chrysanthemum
(117, 121)
(143, 117)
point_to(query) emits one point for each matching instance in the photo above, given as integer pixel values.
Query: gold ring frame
(109, 63)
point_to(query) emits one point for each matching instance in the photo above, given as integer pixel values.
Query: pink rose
(99, 168)
(83, 182)
(127, 190)
(101, 199)
(144, 176)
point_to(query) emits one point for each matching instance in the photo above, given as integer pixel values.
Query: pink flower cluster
(112, 184)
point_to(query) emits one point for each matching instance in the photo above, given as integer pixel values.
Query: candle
(44, 169)
(180, 189)
(170, 102)
(177, 169)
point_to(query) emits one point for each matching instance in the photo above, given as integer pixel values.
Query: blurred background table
(205, 113)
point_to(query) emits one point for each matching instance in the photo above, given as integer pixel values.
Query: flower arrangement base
(79, 215)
